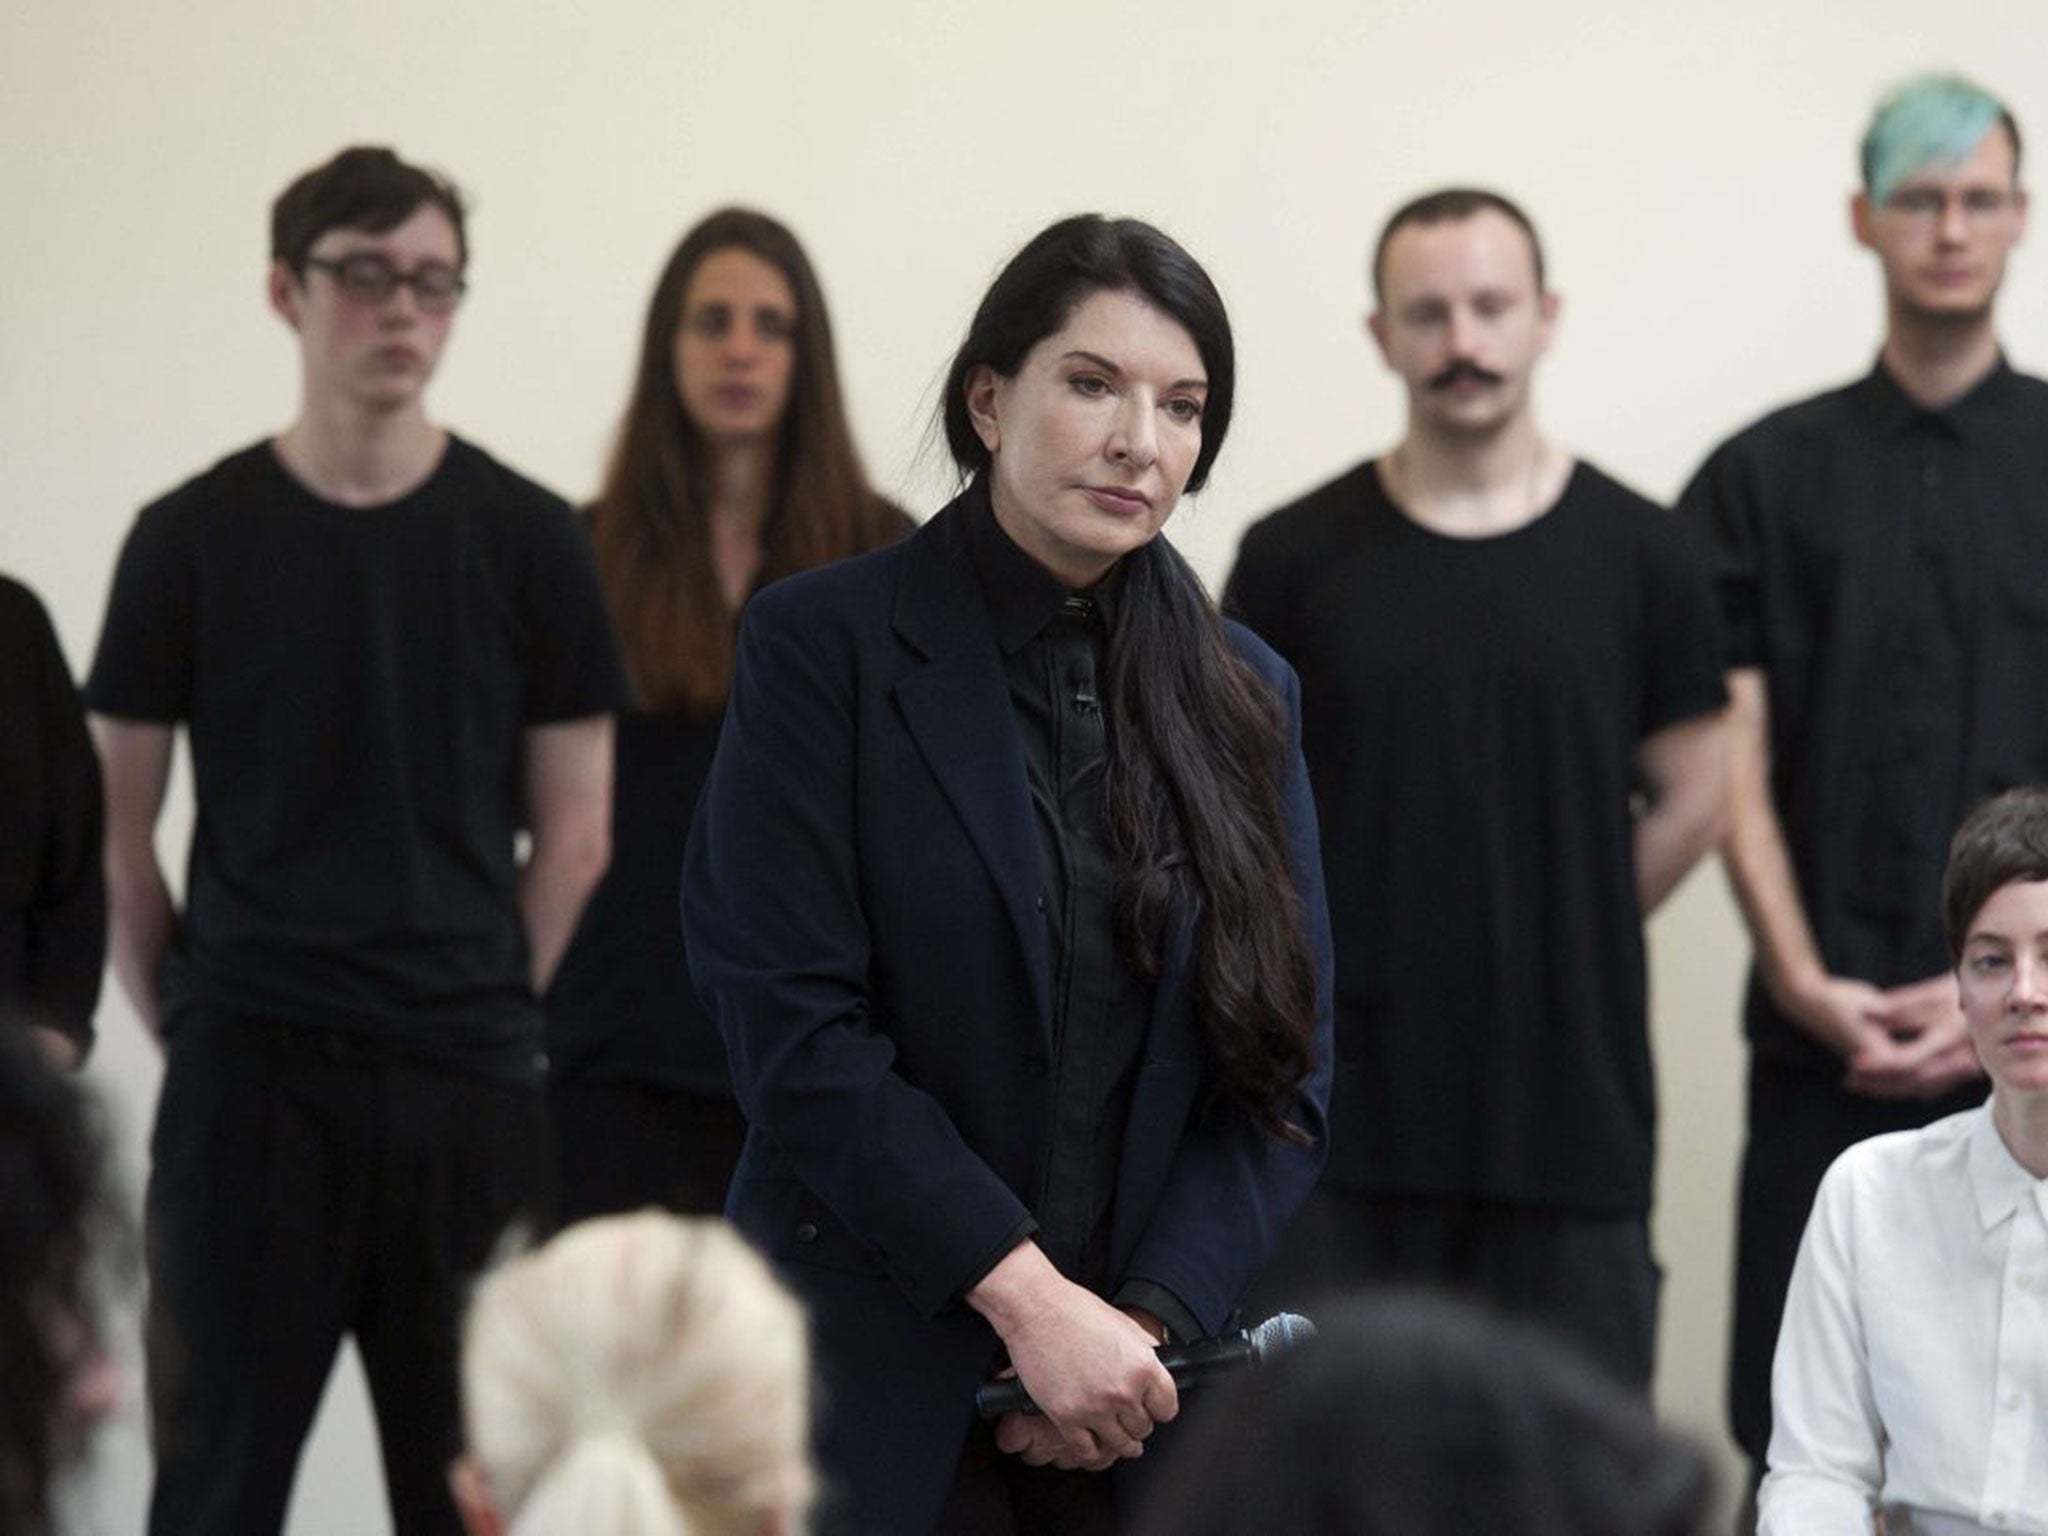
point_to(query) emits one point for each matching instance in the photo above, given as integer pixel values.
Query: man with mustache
(1511, 709)
(1879, 555)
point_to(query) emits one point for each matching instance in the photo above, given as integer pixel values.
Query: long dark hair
(1419, 1413)
(51, 1206)
(653, 542)
(1197, 745)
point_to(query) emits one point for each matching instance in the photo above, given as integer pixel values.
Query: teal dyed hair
(1929, 120)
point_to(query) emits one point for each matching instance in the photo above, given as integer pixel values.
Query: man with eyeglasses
(1882, 572)
(391, 656)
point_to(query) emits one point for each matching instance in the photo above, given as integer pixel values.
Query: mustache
(1464, 371)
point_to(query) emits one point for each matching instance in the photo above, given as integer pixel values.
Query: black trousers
(1585, 1277)
(308, 1184)
(1800, 1121)
(622, 1146)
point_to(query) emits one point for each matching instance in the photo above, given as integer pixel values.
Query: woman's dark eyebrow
(1107, 366)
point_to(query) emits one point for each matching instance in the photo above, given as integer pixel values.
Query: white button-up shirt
(1912, 1368)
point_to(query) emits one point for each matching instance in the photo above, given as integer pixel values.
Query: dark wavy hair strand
(51, 1208)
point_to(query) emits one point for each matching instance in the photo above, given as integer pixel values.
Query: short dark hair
(1451, 205)
(2003, 840)
(1043, 284)
(363, 187)
(1411, 1413)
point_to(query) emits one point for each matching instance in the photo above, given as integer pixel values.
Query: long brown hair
(650, 518)
(1197, 745)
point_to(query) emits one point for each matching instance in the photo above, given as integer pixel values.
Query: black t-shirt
(1471, 710)
(357, 683)
(53, 916)
(1887, 569)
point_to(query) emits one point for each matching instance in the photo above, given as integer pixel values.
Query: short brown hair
(1452, 205)
(2003, 840)
(363, 187)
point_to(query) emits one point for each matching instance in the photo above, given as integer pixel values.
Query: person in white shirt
(1912, 1370)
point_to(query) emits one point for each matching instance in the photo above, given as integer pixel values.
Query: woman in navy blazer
(880, 896)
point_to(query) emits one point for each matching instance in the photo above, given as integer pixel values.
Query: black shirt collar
(1982, 410)
(1023, 596)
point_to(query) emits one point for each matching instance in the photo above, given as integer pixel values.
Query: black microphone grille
(1278, 1334)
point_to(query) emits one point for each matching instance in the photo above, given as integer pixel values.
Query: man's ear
(1859, 219)
(1549, 305)
(1376, 328)
(284, 293)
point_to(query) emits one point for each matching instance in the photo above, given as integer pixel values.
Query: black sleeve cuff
(1026, 1227)
(1181, 1324)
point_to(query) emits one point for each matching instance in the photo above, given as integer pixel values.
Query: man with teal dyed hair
(1884, 581)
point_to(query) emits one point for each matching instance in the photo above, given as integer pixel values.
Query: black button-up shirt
(1053, 642)
(1886, 567)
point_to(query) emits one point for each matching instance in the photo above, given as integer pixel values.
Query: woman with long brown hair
(1006, 896)
(734, 466)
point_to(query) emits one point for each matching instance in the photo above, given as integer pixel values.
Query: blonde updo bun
(639, 1376)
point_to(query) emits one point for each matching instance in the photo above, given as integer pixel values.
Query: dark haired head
(653, 538)
(50, 1163)
(814, 385)
(1452, 205)
(1413, 1414)
(1061, 267)
(1197, 749)
(361, 188)
(2003, 840)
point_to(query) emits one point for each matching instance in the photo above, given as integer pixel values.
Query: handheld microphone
(1190, 1365)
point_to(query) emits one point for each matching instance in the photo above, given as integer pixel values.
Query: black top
(53, 911)
(357, 684)
(1882, 565)
(1052, 643)
(621, 1007)
(1471, 711)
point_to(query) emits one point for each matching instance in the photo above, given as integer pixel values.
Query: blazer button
(807, 1232)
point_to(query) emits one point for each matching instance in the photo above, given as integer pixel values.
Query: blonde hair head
(639, 1376)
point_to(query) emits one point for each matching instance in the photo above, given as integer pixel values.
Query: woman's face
(1093, 438)
(736, 347)
(2004, 982)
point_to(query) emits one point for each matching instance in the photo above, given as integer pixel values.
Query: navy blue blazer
(861, 899)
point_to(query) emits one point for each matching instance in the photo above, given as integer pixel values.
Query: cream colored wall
(1688, 165)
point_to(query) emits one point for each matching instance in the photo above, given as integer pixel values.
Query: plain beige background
(1689, 166)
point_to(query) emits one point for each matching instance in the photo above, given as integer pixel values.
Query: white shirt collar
(1996, 1177)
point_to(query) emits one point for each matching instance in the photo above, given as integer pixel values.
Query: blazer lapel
(956, 707)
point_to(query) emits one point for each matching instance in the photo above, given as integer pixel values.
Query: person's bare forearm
(135, 766)
(1759, 866)
(1685, 767)
(567, 769)
(141, 924)
(553, 888)
(1670, 840)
